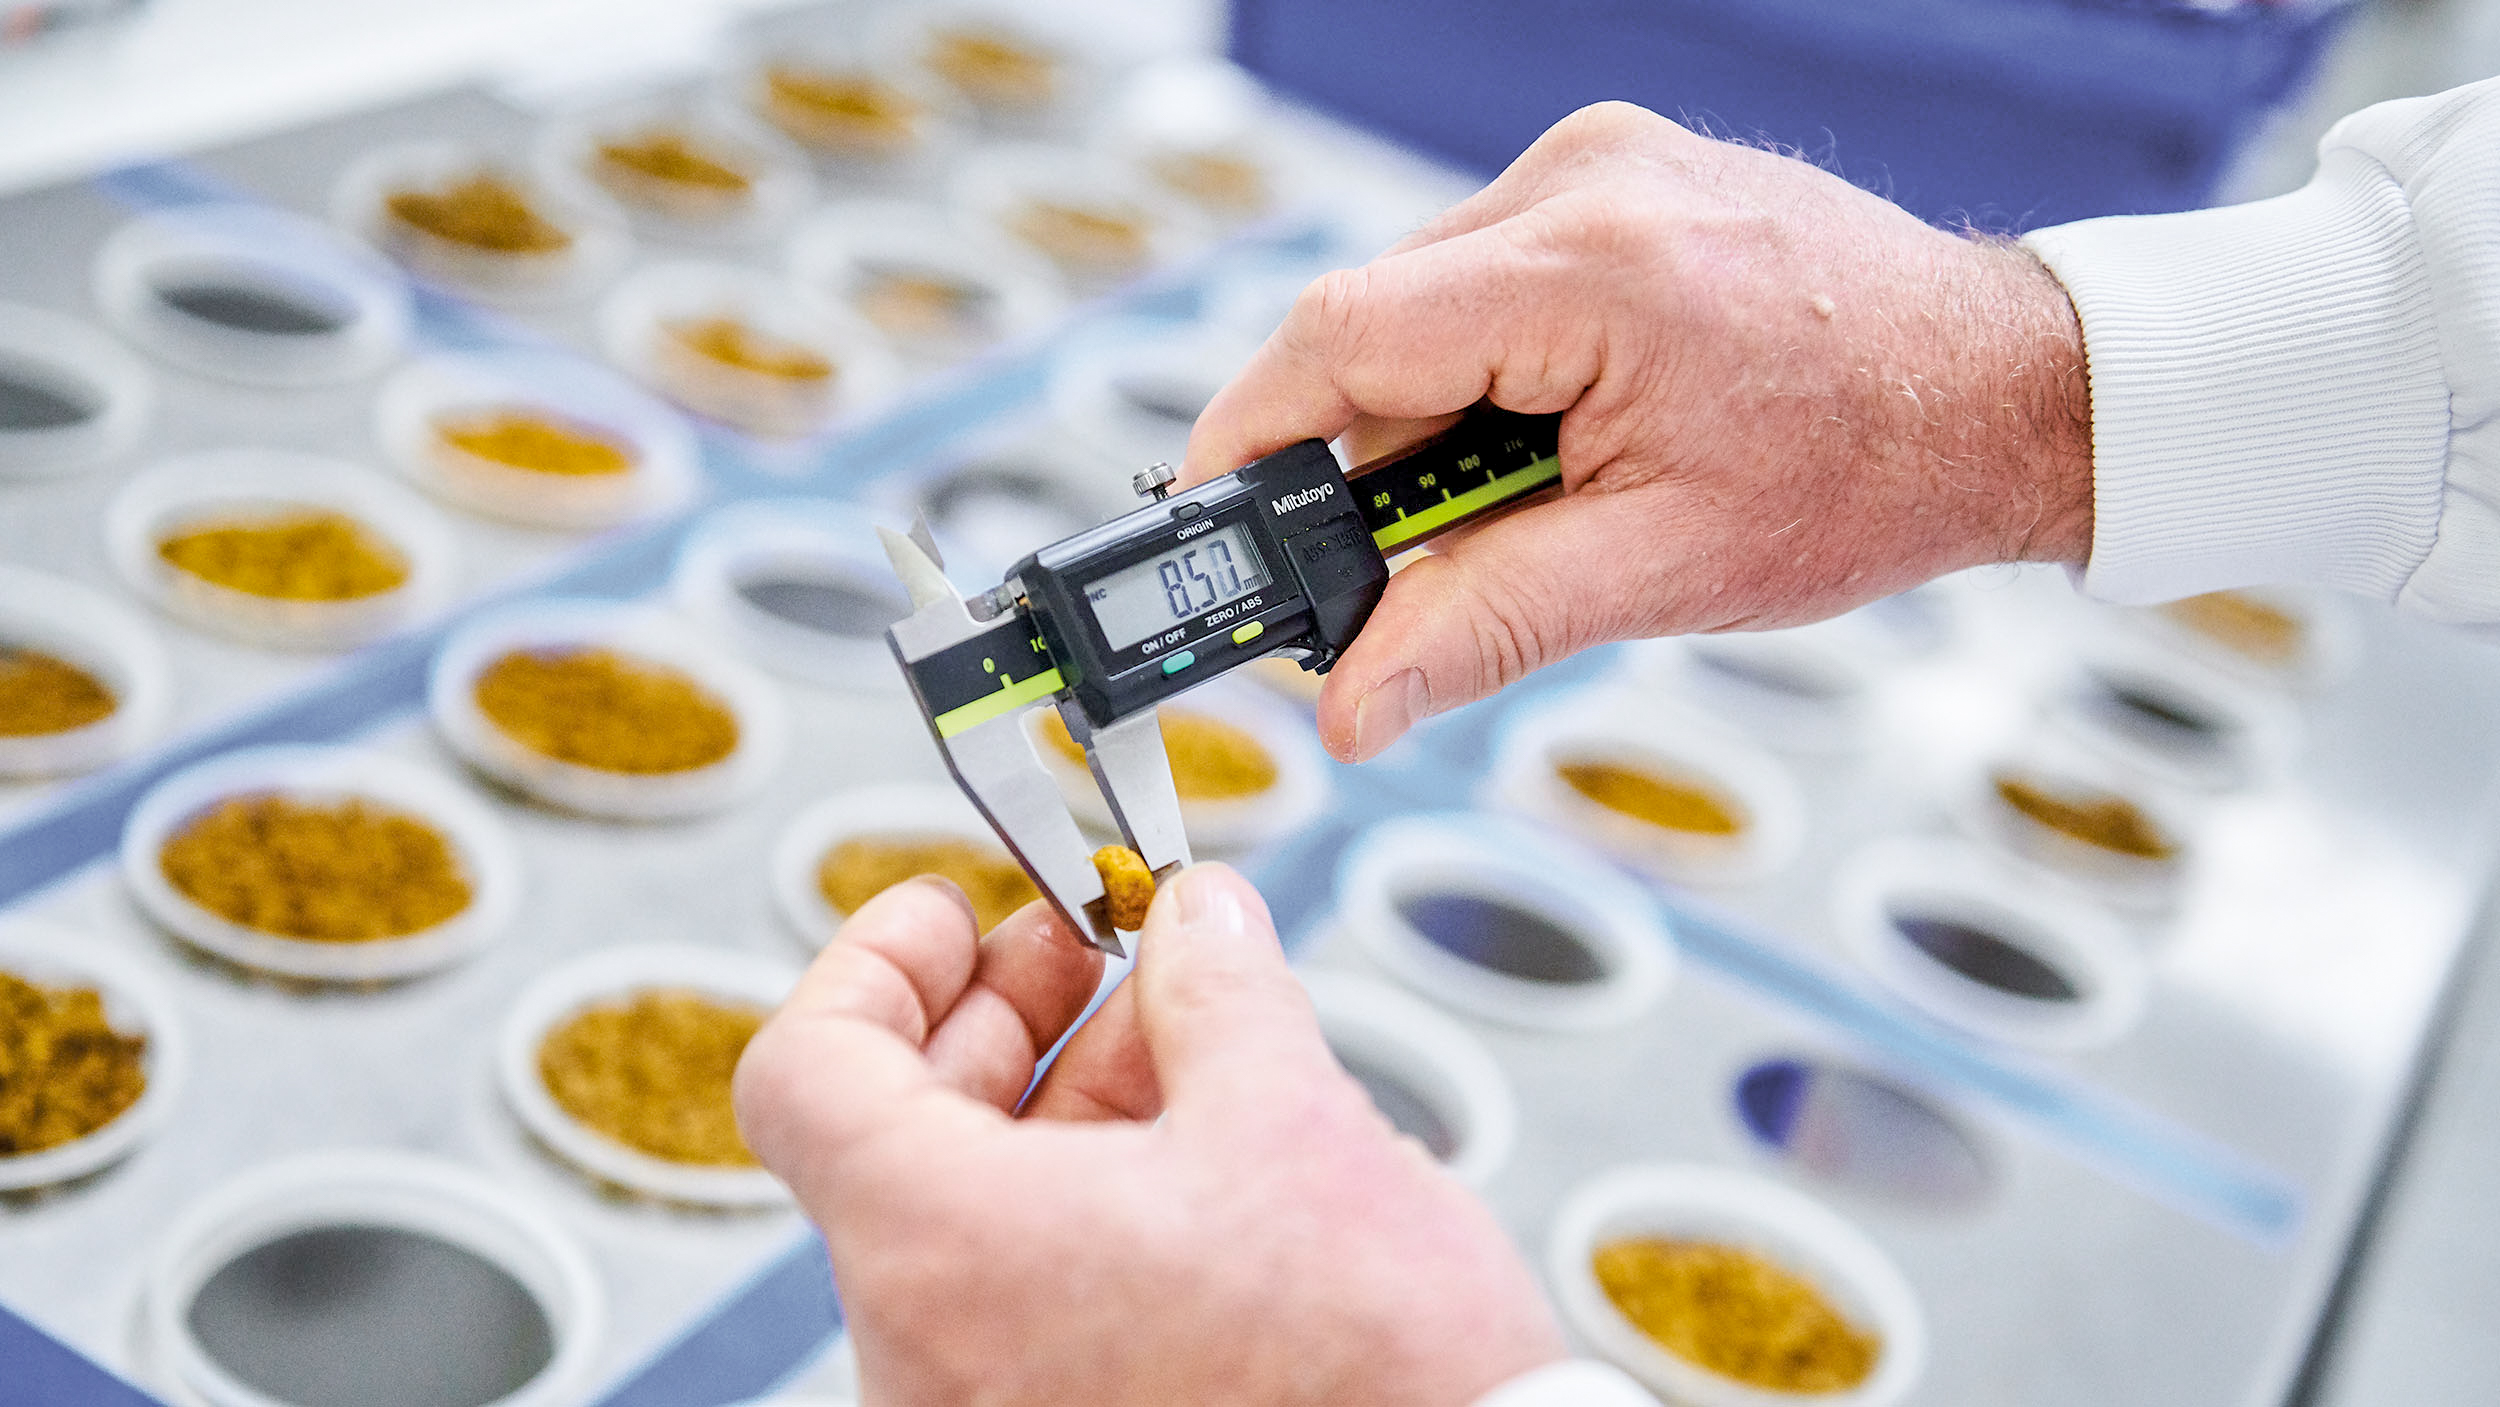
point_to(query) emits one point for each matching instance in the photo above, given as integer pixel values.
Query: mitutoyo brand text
(1304, 499)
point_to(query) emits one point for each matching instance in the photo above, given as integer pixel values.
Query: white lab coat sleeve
(2306, 389)
(1577, 1383)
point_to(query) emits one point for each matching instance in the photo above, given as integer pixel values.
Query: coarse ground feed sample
(652, 1072)
(2242, 623)
(1128, 887)
(305, 555)
(670, 159)
(1211, 759)
(1222, 182)
(2096, 818)
(607, 710)
(1645, 795)
(1082, 236)
(42, 694)
(851, 114)
(993, 69)
(482, 211)
(863, 867)
(1735, 1313)
(732, 343)
(64, 1071)
(349, 871)
(537, 443)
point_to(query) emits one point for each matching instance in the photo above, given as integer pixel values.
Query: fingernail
(1384, 715)
(1209, 899)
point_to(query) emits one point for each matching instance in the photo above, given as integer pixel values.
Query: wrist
(2037, 411)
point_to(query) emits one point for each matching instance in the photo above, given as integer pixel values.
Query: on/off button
(1174, 664)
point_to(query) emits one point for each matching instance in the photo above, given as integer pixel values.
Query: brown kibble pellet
(1128, 887)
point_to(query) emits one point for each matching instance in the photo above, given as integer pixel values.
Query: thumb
(1226, 1024)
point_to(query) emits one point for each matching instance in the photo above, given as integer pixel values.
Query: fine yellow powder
(920, 305)
(306, 555)
(1735, 1313)
(993, 69)
(2099, 819)
(1211, 759)
(653, 1073)
(859, 869)
(846, 113)
(1128, 887)
(1083, 236)
(732, 343)
(1643, 795)
(350, 871)
(671, 158)
(2240, 622)
(1227, 184)
(482, 211)
(538, 444)
(64, 1071)
(41, 694)
(607, 710)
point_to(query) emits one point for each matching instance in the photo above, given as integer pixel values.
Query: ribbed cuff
(1577, 1383)
(2268, 403)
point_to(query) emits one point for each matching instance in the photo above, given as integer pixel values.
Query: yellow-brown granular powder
(993, 69)
(351, 871)
(843, 112)
(1220, 181)
(1085, 237)
(64, 1071)
(1211, 759)
(539, 444)
(920, 305)
(653, 1072)
(308, 555)
(1643, 795)
(735, 344)
(671, 158)
(1735, 1313)
(2096, 818)
(2242, 623)
(1128, 887)
(42, 694)
(859, 869)
(606, 709)
(482, 211)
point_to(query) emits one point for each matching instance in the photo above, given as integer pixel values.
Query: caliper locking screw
(1154, 481)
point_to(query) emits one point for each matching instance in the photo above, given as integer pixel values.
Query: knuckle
(1330, 311)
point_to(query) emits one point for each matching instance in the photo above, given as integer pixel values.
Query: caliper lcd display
(1177, 587)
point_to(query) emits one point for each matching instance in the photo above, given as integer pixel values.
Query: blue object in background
(2010, 114)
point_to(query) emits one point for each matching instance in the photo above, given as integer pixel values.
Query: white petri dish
(641, 321)
(450, 1270)
(69, 395)
(638, 632)
(800, 585)
(1750, 786)
(325, 775)
(1721, 1205)
(1091, 216)
(2176, 721)
(246, 486)
(1135, 390)
(1982, 951)
(2283, 637)
(1501, 923)
(990, 509)
(682, 170)
(250, 294)
(892, 811)
(584, 243)
(1201, 130)
(939, 291)
(2071, 776)
(1429, 1077)
(617, 974)
(135, 1004)
(1801, 690)
(1012, 65)
(662, 467)
(101, 637)
(1217, 826)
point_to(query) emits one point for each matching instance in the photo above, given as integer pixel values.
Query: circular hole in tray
(1506, 936)
(1983, 954)
(2179, 722)
(993, 510)
(252, 295)
(36, 397)
(1862, 1132)
(939, 291)
(69, 395)
(1430, 1078)
(257, 302)
(372, 1280)
(1799, 690)
(801, 585)
(825, 602)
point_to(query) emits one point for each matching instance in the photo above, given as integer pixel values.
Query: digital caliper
(1284, 556)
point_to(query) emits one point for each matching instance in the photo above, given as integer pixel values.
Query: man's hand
(1268, 1240)
(1783, 398)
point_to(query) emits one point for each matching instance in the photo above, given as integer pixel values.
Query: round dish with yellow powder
(2066, 810)
(96, 1055)
(608, 710)
(1099, 222)
(743, 348)
(83, 681)
(1719, 1288)
(690, 170)
(851, 846)
(620, 1063)
(282, 549)
(476, 218)
(1247, 767)
(325, 863)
